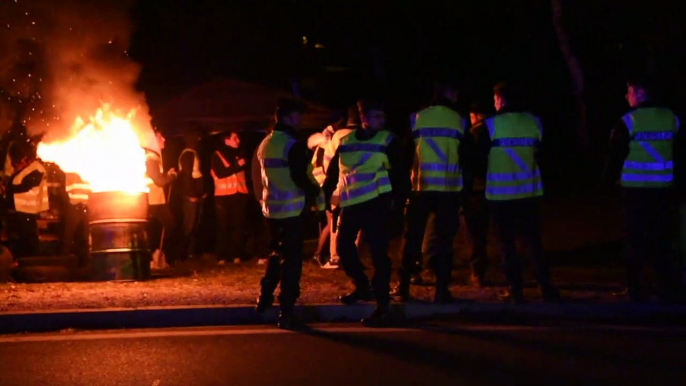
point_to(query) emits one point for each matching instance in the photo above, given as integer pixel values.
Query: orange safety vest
(232, 184)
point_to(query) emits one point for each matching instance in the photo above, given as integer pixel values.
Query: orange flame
(104, 151)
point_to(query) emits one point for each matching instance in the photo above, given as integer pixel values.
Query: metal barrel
(118, 236)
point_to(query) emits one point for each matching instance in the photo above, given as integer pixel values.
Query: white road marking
(226, 331)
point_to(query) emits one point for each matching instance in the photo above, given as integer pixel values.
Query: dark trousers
(520, 219)
(191, 213)
(285, 262)
(477, 221)
(162, 221)
(650, 230)
(372, 217)
(23, 234)
(231, 225)
(445, 207)
(75, 238)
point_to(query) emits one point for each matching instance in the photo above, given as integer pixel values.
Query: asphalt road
(447, 354)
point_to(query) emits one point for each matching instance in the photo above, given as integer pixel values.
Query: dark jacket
(397, 174)
(298, 163)
(188, 186)
(29, 182)
(231, 156)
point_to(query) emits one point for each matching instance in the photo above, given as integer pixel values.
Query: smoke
(64, 59)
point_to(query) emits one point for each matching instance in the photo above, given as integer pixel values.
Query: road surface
(432, 354)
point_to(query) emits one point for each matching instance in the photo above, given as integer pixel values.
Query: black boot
(264, 302)
(288, 321)
(381, 317)
(358, 295)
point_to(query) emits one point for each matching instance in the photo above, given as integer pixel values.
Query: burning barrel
(118, 236)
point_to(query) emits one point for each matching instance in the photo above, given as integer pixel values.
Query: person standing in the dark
(441, 139)
(476, 214)
(230, 199)
(367, 169)
(509, 145)
(191, 190)
(282, 185)
(27, 197)
(643, 148)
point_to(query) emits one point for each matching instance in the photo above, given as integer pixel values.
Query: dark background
(395, 48)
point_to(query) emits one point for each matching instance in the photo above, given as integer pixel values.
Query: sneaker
(290, 322)
(379, 318)
(331, 265)
(318, 259)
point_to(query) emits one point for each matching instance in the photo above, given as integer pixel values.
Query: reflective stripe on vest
(512, 169)
(437, 132)
(77, 190)
(37, 199)
(363, 168)
(232, 184)
(650, 161)
(156, 194)
(281, 198)
(196, 173)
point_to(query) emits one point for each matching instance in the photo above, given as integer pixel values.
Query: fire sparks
(104, 151)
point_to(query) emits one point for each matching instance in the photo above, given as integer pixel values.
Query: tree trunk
(574, 70)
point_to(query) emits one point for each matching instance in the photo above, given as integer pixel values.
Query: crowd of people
(355, 175)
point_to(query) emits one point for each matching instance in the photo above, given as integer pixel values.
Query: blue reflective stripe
(654, 136)
(678, 124)
(442, 181)
(275, 163)
(656, 166)
(434, 132)
(490, 124)
(515, 142)
(510, 177)
(652, 151)
(647, 177)
(295, 207)
(439, 167)
(514, 190)
(523, 166)
(362, 147)
(629, 122)
(361, 191)
(437, 150)
(359, 177)
(278, 195)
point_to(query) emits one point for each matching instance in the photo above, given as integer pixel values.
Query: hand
(241, 162)
(172, 172)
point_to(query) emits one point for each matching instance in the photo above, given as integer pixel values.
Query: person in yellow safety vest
(441, 139)
(27, 196)
(191, 190)
(509, 147)
(644, 156)
(318, 142)
(75, 237)
(367, 170)
(282, 185)
(161, 220)
(352, 124)
(230, 198)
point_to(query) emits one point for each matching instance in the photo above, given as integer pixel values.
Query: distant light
(304, 40)
(319, 46)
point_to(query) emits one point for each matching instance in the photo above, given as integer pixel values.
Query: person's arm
(619, 150)
(397, 174)
(331, 181)
(466, 156)
(482, 147)
(298, 162)
(222, 171)
(257, 177)
(152, 169)
(29, 182)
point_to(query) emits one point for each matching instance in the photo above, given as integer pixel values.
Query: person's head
(447, 89)
(501, 95)
(22, 153)
(231, 139)
(353, 117)
(476, 113)
(637, 91)
(372, 114)
(191, 139)
(289, 112)
(160, 139)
